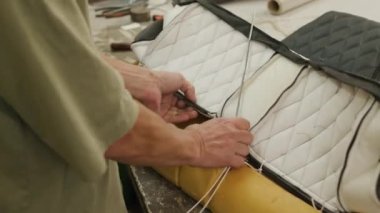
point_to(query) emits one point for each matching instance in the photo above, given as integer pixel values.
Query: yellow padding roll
(243, 190)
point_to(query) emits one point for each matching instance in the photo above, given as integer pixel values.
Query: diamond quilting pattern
(208, 52)
(304, 138)
(342, 41)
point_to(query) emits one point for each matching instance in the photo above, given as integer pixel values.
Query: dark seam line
(296, 191)
(279, 97)
(349, 152)
(253, 74)
(324, 128)
(278, 46)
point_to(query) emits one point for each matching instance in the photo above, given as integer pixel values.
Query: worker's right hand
(221, 142)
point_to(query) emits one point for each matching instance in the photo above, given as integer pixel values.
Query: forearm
(129, 71)
(153, 142)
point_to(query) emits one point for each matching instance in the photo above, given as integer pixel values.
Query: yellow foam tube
(243, 190)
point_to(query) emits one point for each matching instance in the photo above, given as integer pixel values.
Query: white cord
(260, 170)
(215, 190)
(216, 185)
(245, 65)
(315, 206)
(250, 166)
(209, 190)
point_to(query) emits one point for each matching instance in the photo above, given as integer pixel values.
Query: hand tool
(202, 111)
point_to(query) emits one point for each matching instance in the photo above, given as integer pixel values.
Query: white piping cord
(216, 185)
(315, 206)
(250, 166)
(245, 65)
(260, 169)
(215, 190)
(220, 177)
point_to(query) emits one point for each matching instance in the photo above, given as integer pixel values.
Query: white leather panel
(305, 136)
(358, 188)
(207, 51)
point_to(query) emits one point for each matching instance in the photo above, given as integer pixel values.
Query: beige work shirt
(61, 106)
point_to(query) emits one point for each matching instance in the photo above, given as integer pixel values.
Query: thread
(216, 185)
(245, 65)
(209, 190)
(215, 190)
(250, 166)
(315, 206)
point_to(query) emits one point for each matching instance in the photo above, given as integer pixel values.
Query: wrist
(194, 145)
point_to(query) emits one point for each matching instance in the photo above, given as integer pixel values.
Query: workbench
(155, 194)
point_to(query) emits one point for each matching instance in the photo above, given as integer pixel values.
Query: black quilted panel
(345, 46)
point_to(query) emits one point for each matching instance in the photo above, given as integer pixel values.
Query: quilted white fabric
(304, 137)
(358, 188)
(263, 88)
(207, 52)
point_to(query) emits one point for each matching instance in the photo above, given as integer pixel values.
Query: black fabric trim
(349, 151)
(369, 85)
(244, 27)
(296, 191)
(360, 78)
(151, 32)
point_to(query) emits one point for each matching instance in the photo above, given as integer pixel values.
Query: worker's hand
(172, 109)
(154, 142)
(222, 142)
(155, 90)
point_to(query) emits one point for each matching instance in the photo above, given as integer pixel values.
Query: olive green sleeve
(53, 77)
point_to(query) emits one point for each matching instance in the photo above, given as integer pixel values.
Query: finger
(181, 104)
(177, 116)
(237, 161)
(241, 149)
(243, 136)
(171, 115)
(180, 118)
(240, 123)
(186, 115)
(189, 90)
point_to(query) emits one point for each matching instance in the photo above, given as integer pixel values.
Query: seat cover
(316, 122)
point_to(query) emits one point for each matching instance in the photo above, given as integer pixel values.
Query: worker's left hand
(172, 109)
(156, 90)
